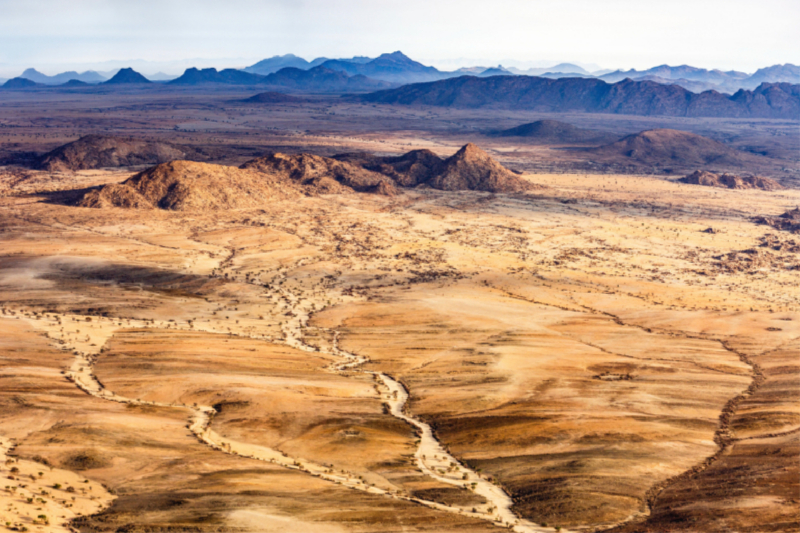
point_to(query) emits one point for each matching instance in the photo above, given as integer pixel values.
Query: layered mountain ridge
(398, 69)
(769, 100)
(186, 185)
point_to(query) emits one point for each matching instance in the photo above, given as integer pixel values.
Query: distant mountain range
(317, 79)
(768, 100)
(398, 68)
(90, 76)
(698, 79)
(563, 68)
(276, 63)
(394, 69)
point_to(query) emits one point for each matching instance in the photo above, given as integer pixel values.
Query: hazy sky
(727, 34)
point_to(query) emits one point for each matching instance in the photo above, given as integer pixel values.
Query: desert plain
(602, 352)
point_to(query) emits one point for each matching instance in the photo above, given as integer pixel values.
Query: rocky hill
(321, 175)
(98, 151)
(553, 131)
(629, 97)
(187, 185)
(468, 169)
(473, 169)
(75, 83)
(127, 76)
(272, 97)
(672, 148)
(21, 83)
(731, 181)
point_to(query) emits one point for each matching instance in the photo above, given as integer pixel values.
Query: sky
(170, 35)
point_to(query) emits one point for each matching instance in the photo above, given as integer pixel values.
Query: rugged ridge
(99, 151)
(321, 175)
(769, 100)
(90, 76)
(319, 79)
(194, 76)
(468, 169)
(395, 67)
(185, 185)
(407, 170)
(322, 79)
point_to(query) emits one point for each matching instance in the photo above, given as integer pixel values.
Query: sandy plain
(615, 352)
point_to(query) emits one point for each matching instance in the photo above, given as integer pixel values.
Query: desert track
(430, 455)
(452, 312)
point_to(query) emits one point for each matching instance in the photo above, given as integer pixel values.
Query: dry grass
(584, 346)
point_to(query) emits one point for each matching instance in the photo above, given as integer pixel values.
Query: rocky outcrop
(321, 175)
(731, 181)
(789, 221)
(407, 170)
(187, 185)
(468, 169)
(98, 151)
(473, 169)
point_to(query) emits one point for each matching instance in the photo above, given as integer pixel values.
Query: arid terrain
(252, 341)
